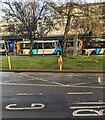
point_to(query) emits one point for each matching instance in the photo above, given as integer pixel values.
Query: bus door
(18, 49)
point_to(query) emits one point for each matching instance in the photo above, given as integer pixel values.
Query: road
(52, 95)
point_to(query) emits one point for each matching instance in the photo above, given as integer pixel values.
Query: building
(88, 17)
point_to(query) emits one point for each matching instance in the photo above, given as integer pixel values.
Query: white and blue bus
(95, 47)
(39, 47)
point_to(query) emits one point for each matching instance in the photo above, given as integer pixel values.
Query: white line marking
(32, 107)
(20, 94)
(78, 93)
(96, 113)
(85, 103)
(100, 79)
(76, 107)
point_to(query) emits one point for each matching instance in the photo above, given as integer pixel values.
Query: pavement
(53, 71)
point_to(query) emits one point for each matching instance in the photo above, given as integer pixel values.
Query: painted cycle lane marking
(98, 109)
(34, 106)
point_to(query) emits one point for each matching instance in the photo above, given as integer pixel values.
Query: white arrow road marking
(75, 93)
(34, 106)
(79, 107)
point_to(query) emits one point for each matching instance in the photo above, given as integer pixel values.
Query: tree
(27, 14)
(66, 11)
(92, 21)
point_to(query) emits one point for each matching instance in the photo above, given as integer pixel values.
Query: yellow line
(52, 85)
(27, 84)
(81, 83)
(33, 78)
(83, 86)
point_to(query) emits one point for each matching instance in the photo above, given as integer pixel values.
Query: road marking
(78, 93)
(33, 107)
(43, 80)
(27, 84)
(100, 79)
(96, 112)
(23, 94)
(81, 83)
(79, 107)
(46, 85)
(85, 103)
(85, 111)
(73, 86)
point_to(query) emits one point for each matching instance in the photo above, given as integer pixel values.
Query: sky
(88, 1)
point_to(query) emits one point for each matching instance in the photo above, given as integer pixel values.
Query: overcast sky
(88, 1)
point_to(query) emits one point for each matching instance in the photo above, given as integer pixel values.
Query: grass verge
(50, 62)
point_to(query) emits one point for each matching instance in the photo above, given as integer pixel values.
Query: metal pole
(9, 62)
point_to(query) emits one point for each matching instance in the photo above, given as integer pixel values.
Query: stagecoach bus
(95, 47)
(39, 47)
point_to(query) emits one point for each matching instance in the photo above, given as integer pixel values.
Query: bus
(2, 47)
(95, 47)
(39, 47)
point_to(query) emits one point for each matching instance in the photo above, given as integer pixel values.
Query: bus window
(2, 46)
(26, 45)
(37, 46)
(49, 45)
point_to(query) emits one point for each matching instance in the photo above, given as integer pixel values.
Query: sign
(59, 61)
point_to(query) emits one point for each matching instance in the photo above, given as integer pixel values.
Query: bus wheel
(93, 53)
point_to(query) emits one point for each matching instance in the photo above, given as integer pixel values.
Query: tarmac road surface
(52, 95)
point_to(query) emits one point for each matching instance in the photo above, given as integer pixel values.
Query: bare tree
(92, 20)
(66, 11)
(85, 20)
(27, 14)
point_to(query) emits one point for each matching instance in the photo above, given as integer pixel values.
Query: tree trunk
(64, 47)
(31, 46)
(75, 45)
(31, 51)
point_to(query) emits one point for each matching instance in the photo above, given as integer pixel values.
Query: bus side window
(48, 46)
(3, 46)
(39, 46)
